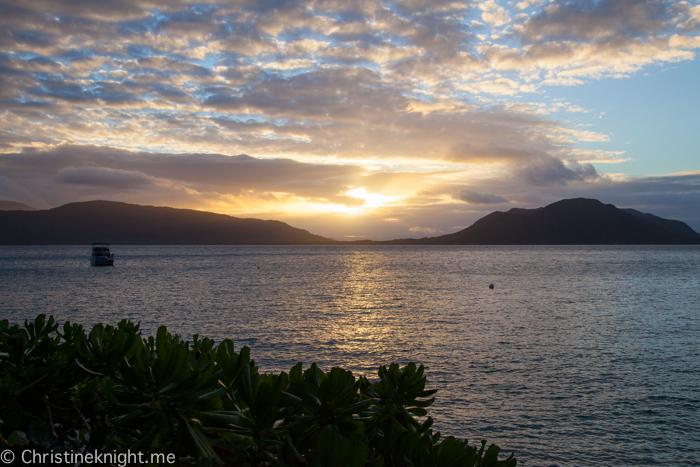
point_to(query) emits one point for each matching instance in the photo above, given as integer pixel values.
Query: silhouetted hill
(567, 222)
(570, 222)
(14, 206)
(130, 224)
(681, 228)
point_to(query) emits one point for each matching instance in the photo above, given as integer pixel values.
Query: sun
(372, 200)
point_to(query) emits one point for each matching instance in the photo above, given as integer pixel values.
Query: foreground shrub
(63, 389)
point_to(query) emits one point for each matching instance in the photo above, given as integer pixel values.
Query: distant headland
(133, 224)
(14, 206)
(577, 221)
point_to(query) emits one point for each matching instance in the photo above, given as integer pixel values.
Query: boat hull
(102, 261)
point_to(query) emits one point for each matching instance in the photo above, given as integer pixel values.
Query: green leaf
(201, 441)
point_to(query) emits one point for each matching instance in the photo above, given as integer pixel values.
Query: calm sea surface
(579, 356)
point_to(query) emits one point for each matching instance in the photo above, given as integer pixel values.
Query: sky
(362, 119)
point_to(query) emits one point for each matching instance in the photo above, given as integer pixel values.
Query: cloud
(527, 3)
(169, 64)
(104, 177)
(65, 172)
(413, 99)
(472, 197)
(305, 194)
(594, 21)
(493, 14)
(425, 230)
(552, 171)
(690, 17)
(13, 191)
(117, 10)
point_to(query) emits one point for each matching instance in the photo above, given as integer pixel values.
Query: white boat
(101, 255)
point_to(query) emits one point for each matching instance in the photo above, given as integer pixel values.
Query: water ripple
(579, 356)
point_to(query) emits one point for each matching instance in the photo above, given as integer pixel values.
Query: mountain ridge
(578, 221)
(133, 224)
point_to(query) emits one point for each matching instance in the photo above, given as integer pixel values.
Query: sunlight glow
(372, 200)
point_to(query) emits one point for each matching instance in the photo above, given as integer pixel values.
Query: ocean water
(579, 356)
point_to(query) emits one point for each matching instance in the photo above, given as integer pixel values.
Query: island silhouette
(577, 221)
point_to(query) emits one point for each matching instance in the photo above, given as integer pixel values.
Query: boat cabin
(101, 255)
(100, 249)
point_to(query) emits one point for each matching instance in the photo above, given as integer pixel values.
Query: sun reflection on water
(575, 349)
